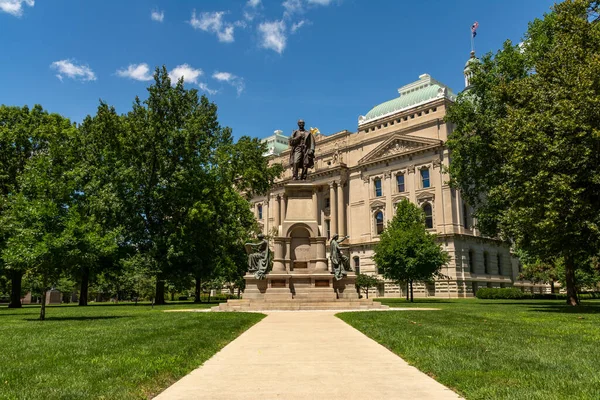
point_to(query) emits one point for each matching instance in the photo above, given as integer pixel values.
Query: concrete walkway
(309, 355)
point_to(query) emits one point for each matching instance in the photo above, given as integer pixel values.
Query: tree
(406, 251)
(536, 270)
(96, 222)
(23, 133)
(35, 218)
(525, 149)
(365, 282)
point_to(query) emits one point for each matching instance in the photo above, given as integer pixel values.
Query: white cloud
(15, 7)
(272, 35)
(158, 16)
(139, 72)
(253, 3)
(298, 25)
(292, 7)
(299, 6)
(320, 2)
(189, 74)
(205, 88)
(233, 80)
(71, 70)
(213, 22)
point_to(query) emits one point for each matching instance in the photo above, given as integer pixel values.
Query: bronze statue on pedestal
(302, 155)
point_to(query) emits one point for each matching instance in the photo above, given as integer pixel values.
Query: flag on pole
(474, 28)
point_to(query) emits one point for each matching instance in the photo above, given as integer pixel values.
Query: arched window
(400, 183)
(499, 260)
(428, 215)
(357, 265)
(471, 261)
(425, 178)
(379, 222)
(486, 263)
(465, 216)
(377, 184)
(259, 209)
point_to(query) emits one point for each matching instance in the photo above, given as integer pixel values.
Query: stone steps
(299, 304)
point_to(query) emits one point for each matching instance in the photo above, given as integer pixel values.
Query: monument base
(311, 291)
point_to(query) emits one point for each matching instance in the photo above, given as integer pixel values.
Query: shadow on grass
(78, 318)
(566, 309)
(417, 301)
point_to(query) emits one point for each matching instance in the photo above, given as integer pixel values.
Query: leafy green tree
(365, 282)
(24, 133)
(406, 251)
(525, 149)
(35, 219)
(97, 223)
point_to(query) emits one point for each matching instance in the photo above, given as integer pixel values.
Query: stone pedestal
(255, 288)
(53, 297)
(346, 288)
(278, 287)
(300, 277)
(26, 299)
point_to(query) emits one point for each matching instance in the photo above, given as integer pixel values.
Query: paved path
(310, 355)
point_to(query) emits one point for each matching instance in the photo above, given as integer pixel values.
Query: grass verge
(107, 351)
(495, 349)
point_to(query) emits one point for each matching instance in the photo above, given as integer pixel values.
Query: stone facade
(398, 152)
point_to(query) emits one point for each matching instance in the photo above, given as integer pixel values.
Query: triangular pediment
(398, 145)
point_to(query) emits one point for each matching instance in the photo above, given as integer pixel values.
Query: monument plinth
(300, 278)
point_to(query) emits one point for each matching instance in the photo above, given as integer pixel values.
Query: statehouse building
(397, 152)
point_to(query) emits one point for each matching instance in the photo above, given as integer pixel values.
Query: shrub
(502, 293)
(517, 294)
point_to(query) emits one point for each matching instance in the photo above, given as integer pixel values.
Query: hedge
(517, 294)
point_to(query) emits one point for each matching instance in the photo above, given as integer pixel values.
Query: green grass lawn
(495, 349)
(107, 351)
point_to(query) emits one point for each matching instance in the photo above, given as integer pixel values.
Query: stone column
(276, 220)
(283, 207)
(266, 216)
(340, 209)
(389, 206)
(278, 257)
(332, 210)
(315, 205)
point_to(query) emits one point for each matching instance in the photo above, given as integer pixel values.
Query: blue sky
(264, 63)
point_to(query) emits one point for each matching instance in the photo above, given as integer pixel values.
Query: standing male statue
(302, 155)
(339, 261)
(258, 257)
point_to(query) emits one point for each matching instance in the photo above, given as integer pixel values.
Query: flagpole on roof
(472, 40)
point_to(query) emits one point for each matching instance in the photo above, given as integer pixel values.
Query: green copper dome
(421, 91)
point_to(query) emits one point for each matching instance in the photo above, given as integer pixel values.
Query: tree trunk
(411, 292)
(172, 296)
(552, 288)
(16, 281)
(43, 309)
(160, 292)
(239, 290)
(367, 293)
(198, 291)
(407, 291)
(572, 298)
(85, 285)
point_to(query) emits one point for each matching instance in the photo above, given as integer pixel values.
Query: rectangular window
(328, 228)
(400, 183)
(425, 178)
(378, 191)
(327, 202)
(260, 216)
